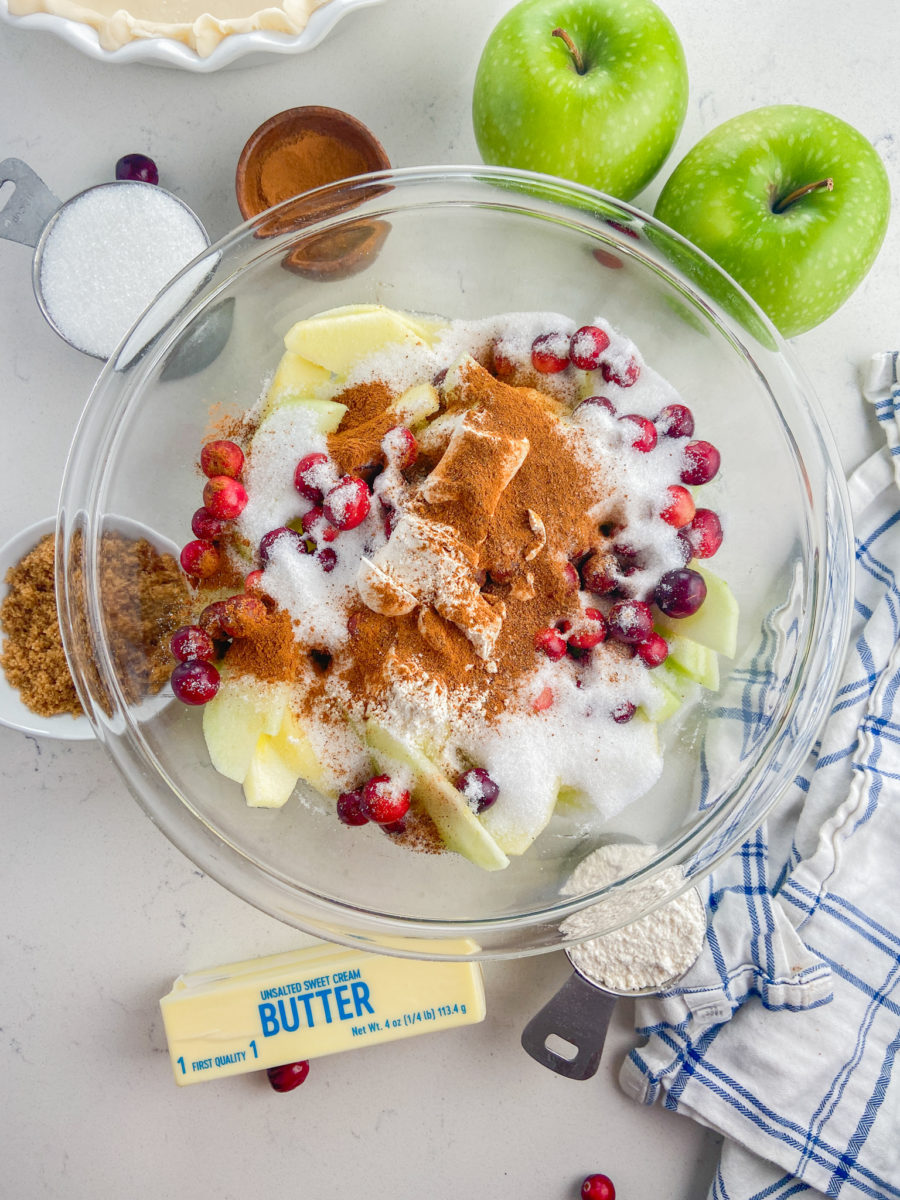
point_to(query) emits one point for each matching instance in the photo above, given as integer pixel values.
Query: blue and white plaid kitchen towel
(785, 1034)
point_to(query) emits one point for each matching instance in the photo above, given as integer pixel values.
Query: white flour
(649, 951)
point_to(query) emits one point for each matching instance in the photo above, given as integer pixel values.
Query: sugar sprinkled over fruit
(195, 682)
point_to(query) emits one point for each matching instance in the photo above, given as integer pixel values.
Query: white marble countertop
(100, 912)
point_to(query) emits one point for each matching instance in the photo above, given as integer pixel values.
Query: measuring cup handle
(579, 1013)
(29, 208)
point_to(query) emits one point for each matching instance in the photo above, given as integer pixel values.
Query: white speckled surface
(100, 913)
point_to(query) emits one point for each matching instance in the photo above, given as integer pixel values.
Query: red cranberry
(630, 621)
(327, 559)
(681, 508)
(349, 808)
(549, 641)
(210, 620)
(254, 583)
(291, 537)
(563, 625)
(221, 458)
(242, 616)
(478, 788)
(204, 525)
(543, 700)
(400, 447)
(600, 574)
(701, 462)
(347, 504)
(645, 440)
(192, 642)
(654, 651)
(598, 1187)
(586, 346)
(624, 376)
(623, 712)
(588, 636)
(195, 681)
(137, 168)
(383, 801)
(501, 364)
(684, 546)
(680, 592)
(570, 576)
(316, 524)
(595, 402)
(550, 353)
(200, 559)
(314, 474)
(224, 497)
(394, 827)
(704, 534)
(675, 421)
(289, 1076)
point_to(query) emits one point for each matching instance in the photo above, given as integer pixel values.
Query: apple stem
(572, 48)
(779, 206)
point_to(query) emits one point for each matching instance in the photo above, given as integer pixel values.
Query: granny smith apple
(791, 201)
(591, 90)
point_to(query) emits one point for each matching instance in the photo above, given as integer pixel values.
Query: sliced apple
(328, 414)
(342, 337)
(295, 378)
(236, 717)
(715, 623)
(416, 404)
(666, 700)
(279, 761)
(698, 662)
(458, 826)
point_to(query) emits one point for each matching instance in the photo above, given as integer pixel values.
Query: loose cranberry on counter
(288, 1076)
(680, 592)
(704, 534)
(645, 439)
(291, 537)
(137, 168)
(625, 376)
(478, 788)
(623, 712)
(204, 525)
(349, 808)
(681, 508)
(314, 475)
(586, 346)
(192, 642)
(195, 681)
(347, 504)
(550, 353)
(701, 462)
(654, 651)
(384, 801)
(200, 559)
(630, 621)
(222, 458)
(598, 1187)
(224, 497)
(595, 402)
(550, 643)
(675, 421)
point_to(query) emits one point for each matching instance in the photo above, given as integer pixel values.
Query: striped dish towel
(785, 1035)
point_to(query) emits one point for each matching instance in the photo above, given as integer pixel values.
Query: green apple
(790, 201)
(590, 90)
(714, 624)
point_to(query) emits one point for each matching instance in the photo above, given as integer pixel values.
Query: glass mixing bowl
(467, 242)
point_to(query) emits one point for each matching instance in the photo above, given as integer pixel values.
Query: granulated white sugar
(107, 255)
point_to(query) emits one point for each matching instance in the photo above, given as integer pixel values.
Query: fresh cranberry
(684, 546)
(549, 641)
(383, 801)
(400, 447)
(563, 625)
(586, 346)
(654, 651)
(242, 616)
(704, 534)
(681, 508)
(600, 574)
(137, 168)
(225, 497)
(630, 621)
(288, 1076)
(543, 700)
(394, 827)
(291, 537)
(349, 808)
(254, 583)
(680, 592)
(478, 788)
(391, 517)
(316, 524)
(587, 636)
(623, 712)
(192, 642)
(625, 376)
(210, 620)
(204, 525)
(347, 504)
(501, 364)
(222, 458)
(701, 462)
(675, 421)
(327, 559)
(595, 402)
(200, 559)
(195, 681)
(550, 353)
(598, 1187)
(645, 440)
(314, 474)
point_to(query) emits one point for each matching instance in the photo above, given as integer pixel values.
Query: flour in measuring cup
(647, 952)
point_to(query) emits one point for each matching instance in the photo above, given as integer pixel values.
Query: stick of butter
(288, 1007)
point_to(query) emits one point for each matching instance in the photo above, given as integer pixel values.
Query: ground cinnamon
(306, 160)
